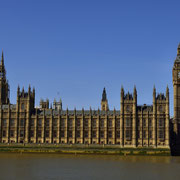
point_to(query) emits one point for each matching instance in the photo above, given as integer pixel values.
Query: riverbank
(82, 149)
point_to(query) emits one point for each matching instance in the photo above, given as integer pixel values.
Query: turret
(122, 93)
(44, 104)
(135, 95)
(57, 105)
(154, 94)
(104, 101)
(167, 94)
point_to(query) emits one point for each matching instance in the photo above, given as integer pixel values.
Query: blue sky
(73, 48)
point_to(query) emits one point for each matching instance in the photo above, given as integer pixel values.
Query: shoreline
(83, 150)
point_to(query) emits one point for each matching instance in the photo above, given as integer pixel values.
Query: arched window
(160, 108)
(22, 106)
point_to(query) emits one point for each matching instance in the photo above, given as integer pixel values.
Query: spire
(122, 89)
(29, 88)
(167, 90)
(154, 94)
(154, 90)
(104, 96)
(18, 90)
(135, 91)
(2, 59)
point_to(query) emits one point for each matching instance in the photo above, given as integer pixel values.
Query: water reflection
(54, 166)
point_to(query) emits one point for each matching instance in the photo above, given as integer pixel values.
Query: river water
(87, 167)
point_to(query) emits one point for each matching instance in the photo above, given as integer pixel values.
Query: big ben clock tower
(176, 86)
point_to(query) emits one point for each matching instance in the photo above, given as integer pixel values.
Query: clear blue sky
(76, 47)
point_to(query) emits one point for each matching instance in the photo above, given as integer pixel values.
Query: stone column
(35, 127)
(106, 129)
(8, 123)
(51, 128)
(167, 119)
(122, 118)
(154, 121)
(134, 118)
(90, 126)
(114, 128)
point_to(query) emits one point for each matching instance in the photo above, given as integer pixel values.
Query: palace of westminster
(131, 126)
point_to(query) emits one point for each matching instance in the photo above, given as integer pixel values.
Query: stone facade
(131, 126)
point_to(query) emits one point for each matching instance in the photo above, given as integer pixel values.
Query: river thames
(87, 167)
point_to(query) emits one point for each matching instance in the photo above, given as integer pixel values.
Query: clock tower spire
(176, 87)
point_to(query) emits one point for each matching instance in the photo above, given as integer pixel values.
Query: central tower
(176, 86)
(4, 86)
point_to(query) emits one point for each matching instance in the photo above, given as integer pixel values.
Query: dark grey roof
(77, 112)
(145, 108)
(161, 96)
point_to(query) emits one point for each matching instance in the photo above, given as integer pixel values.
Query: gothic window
(161, 134)
(118, 124)
(144, 122)
(47, 122)
(70, 122)
(32, 122)
(118, 134)
(4, 122)
(4, 133)
(12, 133)
(102, 134)
(78, 122)
(150, 122)
(55, 122)
(138, 122)
(39, 133)
(150, 134)
(160, 108)
(54, 134)
(94, 134)
(144, 134)
(86, 122)
(12, 122)
(62, 134)
(110, 134)
(78, 134)
(110, 123)
(102, 123)
(22, 122)
(94, 123)
(21, 133)
(128, 122)
(62, 122)
(32, 133)
(39, 122)
(86, 134)
(127, 108)
(128, 134)
(161, 122)
(70, 134)
(47, 133)
(22, 106)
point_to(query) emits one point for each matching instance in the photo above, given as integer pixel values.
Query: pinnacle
(2, 58)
